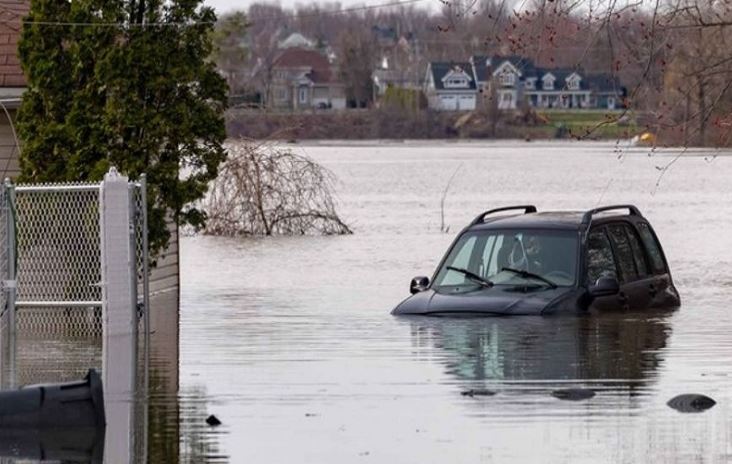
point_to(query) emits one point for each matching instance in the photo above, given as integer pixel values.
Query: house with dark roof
(12, 81)
(304, 79)
(516, 80)
(451, 86)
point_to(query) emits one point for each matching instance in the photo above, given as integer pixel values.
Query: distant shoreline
(447, 143)
(394, 124)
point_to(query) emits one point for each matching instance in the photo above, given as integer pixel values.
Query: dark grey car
(544, 263)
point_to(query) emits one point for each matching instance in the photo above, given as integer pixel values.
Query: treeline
(672, 56)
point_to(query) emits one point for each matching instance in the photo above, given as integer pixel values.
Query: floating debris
(310, 414)
(472, 393)
(691, 402)
(573, 394)
(213, 421)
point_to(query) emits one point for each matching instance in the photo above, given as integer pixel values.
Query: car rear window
(654, 250)
(600, 260)
(623, 252)
(638, 253)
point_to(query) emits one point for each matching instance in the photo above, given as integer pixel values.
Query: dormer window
(530, 84)
(573, 82)
(456, 82)
(548, 82)
(507, 79)
(456, 79)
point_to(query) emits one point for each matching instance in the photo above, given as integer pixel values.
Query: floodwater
(289, 340)
(290, 343)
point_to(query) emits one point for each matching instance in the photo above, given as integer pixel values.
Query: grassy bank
(594, 124)
(393, 124)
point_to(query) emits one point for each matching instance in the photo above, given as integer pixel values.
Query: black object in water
(213, 421)
(62, 405)
(573, 394)
(472, 393)
(691, 402)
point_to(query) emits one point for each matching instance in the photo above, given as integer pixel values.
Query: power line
(103, 24)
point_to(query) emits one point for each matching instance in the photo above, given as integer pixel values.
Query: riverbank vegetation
(395, 123)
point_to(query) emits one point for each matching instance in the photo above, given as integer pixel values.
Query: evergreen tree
(124, 83)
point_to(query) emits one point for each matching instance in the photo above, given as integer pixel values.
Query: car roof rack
(587, 217)
(481, 217)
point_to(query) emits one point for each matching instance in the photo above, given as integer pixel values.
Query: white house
(450, 86)
(517, 80)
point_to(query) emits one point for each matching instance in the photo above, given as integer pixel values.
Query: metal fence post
(145, 275)
(119, 308)
(10, 285)
(146, 304)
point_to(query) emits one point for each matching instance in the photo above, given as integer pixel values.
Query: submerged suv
(545, 263)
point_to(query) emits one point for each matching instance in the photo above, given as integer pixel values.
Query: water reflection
(140, 427)
(76, 445)
(619, 349)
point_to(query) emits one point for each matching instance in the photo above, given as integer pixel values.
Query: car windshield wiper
(474, 277)
(527, 274)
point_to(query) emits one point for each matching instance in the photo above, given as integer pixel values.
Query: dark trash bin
(62, 405)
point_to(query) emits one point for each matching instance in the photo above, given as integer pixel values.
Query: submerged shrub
(263, 189)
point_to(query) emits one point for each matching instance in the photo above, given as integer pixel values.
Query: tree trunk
(702, 110)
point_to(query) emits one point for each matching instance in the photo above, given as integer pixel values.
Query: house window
(573, 84)
(507, 78)
(548, 83)
(611, 103)
(456, 82)
(303, 95)
(281, 94)
(529, 84)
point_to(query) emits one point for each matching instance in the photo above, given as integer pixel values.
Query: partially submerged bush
(263, 189)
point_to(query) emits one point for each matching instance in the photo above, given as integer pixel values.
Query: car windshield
(510, 257)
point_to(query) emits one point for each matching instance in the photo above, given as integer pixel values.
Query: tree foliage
(357, 58)
(230, 51)
(128, 86)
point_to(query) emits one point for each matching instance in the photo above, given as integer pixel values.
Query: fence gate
(52, 261)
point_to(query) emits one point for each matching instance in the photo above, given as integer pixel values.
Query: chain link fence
(51, 303)
(56, 253)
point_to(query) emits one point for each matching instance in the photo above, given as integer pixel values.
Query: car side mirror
(605, 286)
(419, 284)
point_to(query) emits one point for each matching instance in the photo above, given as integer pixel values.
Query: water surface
(290, 343)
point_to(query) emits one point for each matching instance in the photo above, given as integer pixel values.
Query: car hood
(499, 301)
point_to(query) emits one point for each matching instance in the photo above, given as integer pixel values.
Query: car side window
(654, 250)
(623, 252)
(638, 253)
(600, 259)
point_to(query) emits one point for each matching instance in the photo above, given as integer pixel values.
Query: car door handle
(623, 300)
(652, 290)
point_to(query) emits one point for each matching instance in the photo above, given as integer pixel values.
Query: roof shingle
(320, 70)
(11, 14)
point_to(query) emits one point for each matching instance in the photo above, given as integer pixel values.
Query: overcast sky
(224, 6)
